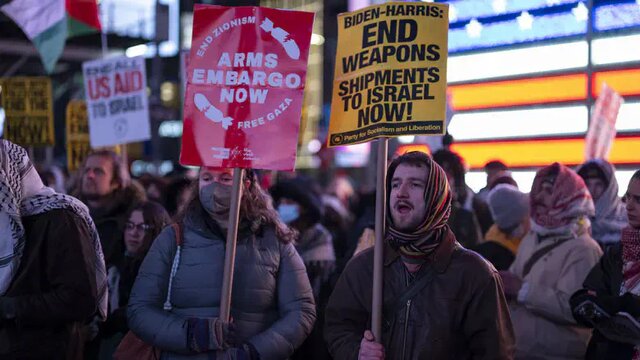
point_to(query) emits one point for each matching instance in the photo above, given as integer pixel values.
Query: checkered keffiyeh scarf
(630, 240)
(570, 198)
(23, 194)
(421, 243)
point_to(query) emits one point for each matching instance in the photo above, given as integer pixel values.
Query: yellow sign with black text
(78, 146)
(28, 105)
(390, 75)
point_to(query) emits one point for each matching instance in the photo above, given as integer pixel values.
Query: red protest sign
(245, 84)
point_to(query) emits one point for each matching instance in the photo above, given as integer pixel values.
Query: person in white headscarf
(611, 215)
(552, 261)
(52, 273)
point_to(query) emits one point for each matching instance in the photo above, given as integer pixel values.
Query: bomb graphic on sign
(245, 85)
(210, 111)
(282, 36)
(246, 78)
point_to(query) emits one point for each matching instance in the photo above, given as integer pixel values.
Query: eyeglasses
(141, 227)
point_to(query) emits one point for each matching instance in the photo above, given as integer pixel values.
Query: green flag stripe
(50, 44)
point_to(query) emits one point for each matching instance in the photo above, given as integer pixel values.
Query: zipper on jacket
(406, 328)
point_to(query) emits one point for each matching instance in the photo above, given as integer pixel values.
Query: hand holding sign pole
(243, 99)
(389, 81)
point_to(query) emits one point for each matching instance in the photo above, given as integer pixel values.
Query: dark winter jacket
(315, 247)
(461, 314)
(110, 220)
(464, 225)
(272, 303)
(496, 254)
(54, 291)
(605, 279)
(499, 248)
(126, 274)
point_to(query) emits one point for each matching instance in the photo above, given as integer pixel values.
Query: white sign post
(117, 101)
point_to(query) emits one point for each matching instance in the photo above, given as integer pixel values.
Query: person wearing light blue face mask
(288, 212)
(301, 208)
(272, 303)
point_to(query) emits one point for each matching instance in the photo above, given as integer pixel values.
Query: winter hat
(508, 206)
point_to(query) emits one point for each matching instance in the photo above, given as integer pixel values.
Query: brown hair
(155, 216)
(256, 206)
(120, 171)
(413, 158)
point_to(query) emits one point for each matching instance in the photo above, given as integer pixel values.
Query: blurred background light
(519, 123)
(529, 60)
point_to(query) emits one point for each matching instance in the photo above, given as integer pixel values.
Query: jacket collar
(440, 259)
(496, 235)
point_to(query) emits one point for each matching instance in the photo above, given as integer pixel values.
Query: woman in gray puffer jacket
(175, 300)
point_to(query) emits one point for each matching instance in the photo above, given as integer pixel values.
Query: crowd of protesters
(551, 272)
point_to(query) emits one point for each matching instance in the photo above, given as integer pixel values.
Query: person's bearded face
(97, 179)
(407, 197)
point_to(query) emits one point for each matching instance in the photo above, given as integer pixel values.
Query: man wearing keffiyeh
(458, 311)
(52, 274)
(614, 286)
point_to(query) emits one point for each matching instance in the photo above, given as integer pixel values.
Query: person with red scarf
(454, 308)
(612, 288)
(552, 261)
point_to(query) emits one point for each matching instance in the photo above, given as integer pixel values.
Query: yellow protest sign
(390, 74)
(77, 130)
(28, 106)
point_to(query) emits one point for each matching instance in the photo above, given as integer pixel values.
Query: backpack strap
(420, 282)
(539, 254)
(177, 229)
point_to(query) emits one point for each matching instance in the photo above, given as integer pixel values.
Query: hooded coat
(611, 215)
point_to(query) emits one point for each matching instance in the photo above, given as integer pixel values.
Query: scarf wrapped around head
(23, 194)
(570, 199)
(416, 246)
(611, 214)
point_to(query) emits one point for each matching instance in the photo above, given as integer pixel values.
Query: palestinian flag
(48, 23)
(82, 17)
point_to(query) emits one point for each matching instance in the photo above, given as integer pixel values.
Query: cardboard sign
(77, 131)
(28, 106)
(390, 75)
(245, 83)
(116, 94)
(602, 127)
